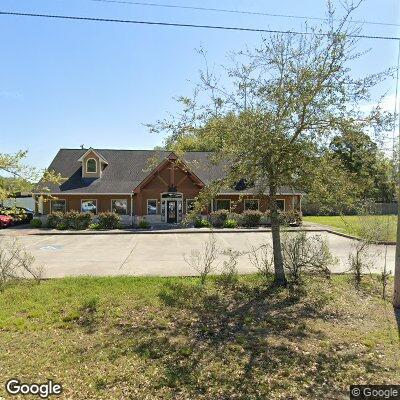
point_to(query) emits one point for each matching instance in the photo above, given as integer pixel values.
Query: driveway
(160, 253)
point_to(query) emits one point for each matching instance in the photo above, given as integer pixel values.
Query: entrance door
(171, 212)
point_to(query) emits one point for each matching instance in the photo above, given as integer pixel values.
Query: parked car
(5, 221)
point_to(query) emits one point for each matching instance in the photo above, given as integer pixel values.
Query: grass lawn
(351, 223)
(169, 338)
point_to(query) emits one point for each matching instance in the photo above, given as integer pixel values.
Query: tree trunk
(280, 278)
(396, 291)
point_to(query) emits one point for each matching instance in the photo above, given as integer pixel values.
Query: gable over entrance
(167, 190)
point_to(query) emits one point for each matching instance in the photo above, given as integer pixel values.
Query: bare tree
(203, 260)
(16, 263)
(369, 231)
(229, 266)
(262, 259)
(304, 253)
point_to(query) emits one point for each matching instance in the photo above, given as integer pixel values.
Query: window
(223, 205)
(280, 204)
(58, 206)
(151, 207)
(251, 204)
(119, 206)
(89, 206)
(91, 165)
(189, 205)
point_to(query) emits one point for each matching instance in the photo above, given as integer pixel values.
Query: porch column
(139, 211)
(40, 204)
(131, 209)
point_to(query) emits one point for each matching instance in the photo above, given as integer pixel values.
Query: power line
(138, 22)
(226, 10)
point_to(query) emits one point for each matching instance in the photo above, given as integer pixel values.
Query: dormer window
(91, 165)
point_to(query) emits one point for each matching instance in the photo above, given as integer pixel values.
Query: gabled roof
(171, 157)
(126, 169)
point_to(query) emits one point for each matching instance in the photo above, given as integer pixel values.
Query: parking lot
(161, 253)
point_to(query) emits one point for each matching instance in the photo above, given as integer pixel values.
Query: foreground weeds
(131, 338)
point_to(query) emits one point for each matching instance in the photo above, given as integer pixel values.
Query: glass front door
(172, 212)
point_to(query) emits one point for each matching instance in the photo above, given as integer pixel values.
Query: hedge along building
(152, 184)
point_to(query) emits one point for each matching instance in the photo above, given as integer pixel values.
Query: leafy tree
(370, 168)
(15, 176)
(283, 103)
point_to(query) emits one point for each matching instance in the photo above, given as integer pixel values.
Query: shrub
(302, 253)
(236, 217)
(76, 220)
(54, 219)
(36, 223)
(94, 227)
(291, 217)
(62, 226)
(201, 223)
(109, 220)
(230, 223)
(218, 218)
(143, 224)
(251, 218)
(266, 218)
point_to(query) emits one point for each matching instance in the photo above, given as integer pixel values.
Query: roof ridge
(152, 150)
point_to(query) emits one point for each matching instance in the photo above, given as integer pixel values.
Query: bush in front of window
(76, 220)
(251, 218)
(108, 220)
(291, 217)
(54, 219)
(143, 224)
(94, 227)
(266, 218)
(201, 223)
(36, 223)
(218, 218)
(230, 223)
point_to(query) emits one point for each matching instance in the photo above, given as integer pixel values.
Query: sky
(69, 83)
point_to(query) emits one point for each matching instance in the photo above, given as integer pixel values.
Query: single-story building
(157, 185)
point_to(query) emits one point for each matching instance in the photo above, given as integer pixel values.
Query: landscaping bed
(171, 338)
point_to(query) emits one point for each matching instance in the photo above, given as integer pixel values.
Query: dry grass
(155, 338)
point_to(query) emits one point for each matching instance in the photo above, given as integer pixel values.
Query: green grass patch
(351, 224)
(171, 338)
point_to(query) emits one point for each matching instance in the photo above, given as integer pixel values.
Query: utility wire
(229, 28)
(225, 10)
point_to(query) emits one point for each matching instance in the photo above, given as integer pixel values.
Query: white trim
(284, 203)
(93, 200)
(91, 149)
(111, 208)
(244, 204)
(186, 201)
(51, 204)
(216, 204)
(86, 166)
(147, 206)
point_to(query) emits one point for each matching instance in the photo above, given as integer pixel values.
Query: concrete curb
(159, 231)
(189, 230)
